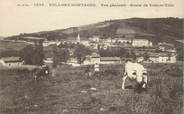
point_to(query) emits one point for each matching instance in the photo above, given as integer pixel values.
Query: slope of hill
(11, 48)
(159, 29)
(1, 37)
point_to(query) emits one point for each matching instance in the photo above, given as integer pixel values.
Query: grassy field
(11, 45)
(72, 91)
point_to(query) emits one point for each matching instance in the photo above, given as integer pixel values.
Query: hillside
(6, 45)
(1, 37)
(158, 29)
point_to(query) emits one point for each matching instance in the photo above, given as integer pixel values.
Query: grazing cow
(40, 71)
(36, 71)
(135, 71)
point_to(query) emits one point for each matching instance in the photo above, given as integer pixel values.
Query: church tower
(78, 38)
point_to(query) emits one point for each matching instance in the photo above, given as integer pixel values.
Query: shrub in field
(174, 70)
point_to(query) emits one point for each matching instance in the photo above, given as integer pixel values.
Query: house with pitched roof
(162, 57)
(11, 61)
(110, 60)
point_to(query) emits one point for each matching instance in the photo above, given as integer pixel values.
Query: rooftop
(11, 59)
(95, 55)
(110, 59)
(140, 39)
(158, 54)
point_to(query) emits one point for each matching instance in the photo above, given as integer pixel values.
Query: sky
(26, 19)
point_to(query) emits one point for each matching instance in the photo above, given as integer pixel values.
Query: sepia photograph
(91, 56)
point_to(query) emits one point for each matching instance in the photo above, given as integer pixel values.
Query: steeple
(78, 38)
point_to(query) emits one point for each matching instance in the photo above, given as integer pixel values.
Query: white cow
(136, 72)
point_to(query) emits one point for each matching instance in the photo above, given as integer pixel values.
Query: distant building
(163, 58)
(95, 38)
(48, 60)
(141, 43)
(124, 40)
(104, 46)
(124, 59)
(140, 59)
(113, 40)
(85, 43)
(108, 40)
(73, 61)
(110, 60)
(87, 60)
(129, 41)
(11, 61)
(72, 40)
(95, 58)
(94, 45)
(96, 67)
(167, 58)
(47, 43)
(165, 44)
(154, 58)
(166, 47)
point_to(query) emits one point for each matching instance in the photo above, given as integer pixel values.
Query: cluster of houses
(159, 58)
(95, 58)
(166, 52)
(96, 42)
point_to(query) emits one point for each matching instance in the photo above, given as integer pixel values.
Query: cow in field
(135, 71)
(40, 71)
(36, 71)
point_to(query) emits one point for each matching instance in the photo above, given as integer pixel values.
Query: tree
(63, 55)
(33, 55)
(180, 54)
(38, 55)
(146, 56)
(133, 55)
(80, 52)
(60, 55)
(55, 58)
(27, 54)
(123, 52)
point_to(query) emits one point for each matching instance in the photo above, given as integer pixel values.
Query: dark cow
(40, 71)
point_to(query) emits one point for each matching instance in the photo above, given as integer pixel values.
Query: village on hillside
(77, 51)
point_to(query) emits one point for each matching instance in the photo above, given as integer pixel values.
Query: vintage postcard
(91, 56)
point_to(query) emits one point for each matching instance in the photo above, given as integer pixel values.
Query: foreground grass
(70, 92)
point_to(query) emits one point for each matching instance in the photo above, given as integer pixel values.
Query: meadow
(73, 91)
